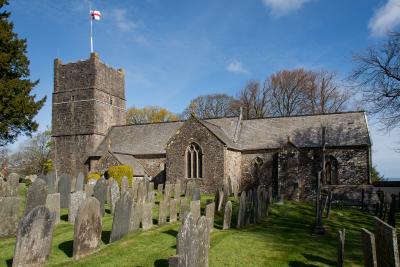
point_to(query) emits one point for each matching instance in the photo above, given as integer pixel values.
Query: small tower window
(111, 100)
(194, 161)
(73, 98)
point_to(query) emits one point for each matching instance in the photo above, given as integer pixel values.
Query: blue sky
(173, 51)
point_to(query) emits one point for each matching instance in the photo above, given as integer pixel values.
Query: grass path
(282, 239)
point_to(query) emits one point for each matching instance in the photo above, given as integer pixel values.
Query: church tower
(88, 98)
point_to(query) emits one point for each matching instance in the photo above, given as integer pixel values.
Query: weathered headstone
(34, 237)
(87, 229)
(136, 216)
(13, 181)
(196, 194)
(142, 192)
(183, 208)
(160, 188)
(162, 212)
(9, 210)
(220, 203)
(114, 195)
(76, 200)
(227, 215)
(387, 253)
(100, 192)
(147, 216)
(122, 216)
(173, 210)
(150, 193)
(210, 211)
(189, 189)
(124, 184)
(64, 188)
(340, 249)
(242, 210)
(36, 195)
(89, 187)
(195, 209)
(80, 180)
(203, 232)
(167, 191)
(53, 204)
(51, 182)
(368, 247)
(177, 190)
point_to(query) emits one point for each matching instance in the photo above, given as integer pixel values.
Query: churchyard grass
(282, 239)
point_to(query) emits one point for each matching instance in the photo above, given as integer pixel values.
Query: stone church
(90, 134)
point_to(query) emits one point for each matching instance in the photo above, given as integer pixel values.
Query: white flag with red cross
(96, 15)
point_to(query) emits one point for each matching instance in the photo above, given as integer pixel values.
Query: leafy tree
(149, 114)
(17, 106)
(212, 106)
(377, 76)
(376, 176)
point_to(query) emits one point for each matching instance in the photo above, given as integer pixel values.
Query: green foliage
(93, 175)
(149, 114)
(376, 176)
(27, 182)
(47, 166)
(117, 172)
(17, 105)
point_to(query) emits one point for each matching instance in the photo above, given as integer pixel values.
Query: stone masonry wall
(233, 168)
(213, 155)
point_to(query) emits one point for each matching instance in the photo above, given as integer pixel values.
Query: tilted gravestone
(122, 216)
(80, 180)
(87, 229)
(163, 212)
(210, 212)
(177, 190)
(196, 194)
(242, 210)
(100, 192)
(227, 216)
(195, 209)
(136, 216)
(13, 181)
(51, 182)
(147, 216)
(368, 247)
(76, 200)
(173, 210)
(220, 203)
(183, 208)
(64, 188)
(114, 195)
(340, 249)
(53, 204)
(9, 210)
(36, 195)
(34, 237)
(387, 253)
(124, 184)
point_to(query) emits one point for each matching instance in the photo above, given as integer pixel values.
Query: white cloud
(283, 7)
(121, 20)
(385, 19)
(236, 67)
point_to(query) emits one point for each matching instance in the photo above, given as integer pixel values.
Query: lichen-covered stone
(76, 200)
(173, 210)
(9, 216)
(36, 195)
(195, 209)
(163, 212)
(114, 195)
(80, 180)
(122, 216)
(64, 188)
(210, 212)
(227, 216)
(100, 192)
(147, 216)
(53, 204)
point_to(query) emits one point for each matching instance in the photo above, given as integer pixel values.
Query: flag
(96, 15)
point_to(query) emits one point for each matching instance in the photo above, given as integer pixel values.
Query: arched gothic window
(194, 161)
(331, 171)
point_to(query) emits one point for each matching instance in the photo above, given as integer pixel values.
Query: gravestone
(9, 211)
(64, 188)
(160, 188)
(167, 191)
(34, 237)
(210, 211)
(147, 216)
(177, 190)
(203, 233)
(51, 182)
(122, 216)
(80, 180)
(220, 203)
(87, 229)
(142, 192)
(124, 184)
(76, 200)
(4, 189)
(196, 194)
(36, 195)
(387, 253)
(340, 249)
(89, 187)
(136, 216)
(227, 216)
(150, 193)
(368, 247)
(114, 195)
(183, 208)
(189, 190)
(13, 182)
(195, 209)
(53, 204)
(173, 210)
(100, 192)
(163, 212)
(135, 189)
(242, 210)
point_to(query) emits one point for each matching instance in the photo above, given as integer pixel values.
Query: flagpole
(91, 33)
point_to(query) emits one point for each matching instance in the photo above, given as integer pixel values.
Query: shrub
(117, 172)
(27, 182)
(93, 175)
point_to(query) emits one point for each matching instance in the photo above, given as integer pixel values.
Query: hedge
(93, 175)
(117, 172)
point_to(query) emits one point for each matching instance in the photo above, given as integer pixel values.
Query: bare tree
(254, 100)
(211, 106)
(377, 74)
(149, 114)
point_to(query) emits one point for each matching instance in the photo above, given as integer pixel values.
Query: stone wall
(213, 155)
(88, 99)
(154, 166)
(233, 167)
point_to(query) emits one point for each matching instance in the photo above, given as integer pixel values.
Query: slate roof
(342, 129)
